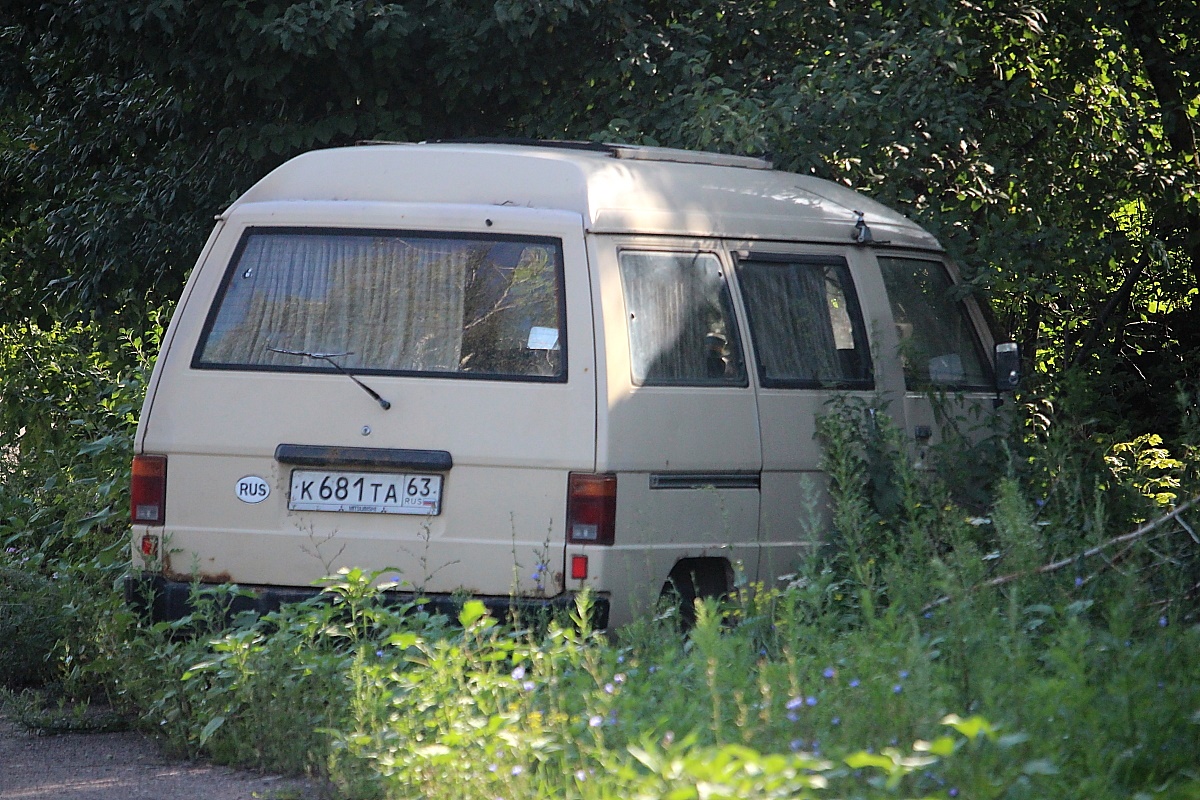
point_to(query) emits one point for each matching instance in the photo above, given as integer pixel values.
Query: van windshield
(391, 303)
(939, 345)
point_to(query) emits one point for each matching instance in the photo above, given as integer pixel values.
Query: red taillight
(591, 508)
(148, 490)
(579, 568)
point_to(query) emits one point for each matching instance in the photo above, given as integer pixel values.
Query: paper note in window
(543, 338)
(947, 369)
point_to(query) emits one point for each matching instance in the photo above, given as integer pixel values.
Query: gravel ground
(123, 766)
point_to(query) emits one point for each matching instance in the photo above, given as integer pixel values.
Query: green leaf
(210, 729)
(864, 759)
(472, 611)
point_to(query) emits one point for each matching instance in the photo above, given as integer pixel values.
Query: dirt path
(123, 766)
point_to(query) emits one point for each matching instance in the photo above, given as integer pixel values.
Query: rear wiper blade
(329, 359)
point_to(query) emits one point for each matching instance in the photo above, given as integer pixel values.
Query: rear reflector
(149, 546)
(579, 568)
(148, 490)
(591, 508)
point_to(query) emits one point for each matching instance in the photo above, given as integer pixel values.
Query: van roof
(614, 188)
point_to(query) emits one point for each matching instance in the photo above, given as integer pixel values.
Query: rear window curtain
(939, 346)
(805, 322)
(389, 302)
(681, 327)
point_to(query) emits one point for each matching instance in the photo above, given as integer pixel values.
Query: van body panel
(675, 500)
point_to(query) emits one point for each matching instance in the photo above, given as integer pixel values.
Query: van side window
(681, 328)
(939, 345)
(805, 322)
(391, 303)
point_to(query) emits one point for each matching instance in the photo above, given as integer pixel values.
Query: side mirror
(1008, 366)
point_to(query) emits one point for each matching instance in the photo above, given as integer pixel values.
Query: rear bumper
(163, 599)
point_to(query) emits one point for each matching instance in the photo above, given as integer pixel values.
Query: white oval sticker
(253, 489)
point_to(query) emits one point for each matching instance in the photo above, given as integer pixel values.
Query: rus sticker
(252, 489)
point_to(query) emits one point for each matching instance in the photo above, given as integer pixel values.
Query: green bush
(31, 625)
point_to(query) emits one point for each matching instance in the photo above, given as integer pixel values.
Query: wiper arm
(329, 359)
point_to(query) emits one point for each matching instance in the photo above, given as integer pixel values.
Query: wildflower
(620, 659)
(797, 745)
(379, 654)
(794, 703)
(1162, 622)
(1078, 581)
(580, 775)
(854, 683)
(527, 686)
(653, 669)
(928, 615)
(596, 721)
(518, 673)
(609, 688)
(619, 677)
(517, 770)
(897, 689)
(835, 721)
(829, 672)
(903, 674)
(810, 701)
(793, 716)
(954, 791)
(492, 768)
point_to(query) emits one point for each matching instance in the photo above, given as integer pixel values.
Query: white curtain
(789, 307)
(394, 304)
(675, 306)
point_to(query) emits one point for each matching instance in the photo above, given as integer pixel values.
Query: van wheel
(693, 578)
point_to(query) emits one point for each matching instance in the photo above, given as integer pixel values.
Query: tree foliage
(1050, 144)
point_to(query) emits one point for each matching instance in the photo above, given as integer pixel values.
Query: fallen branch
(1066, 562)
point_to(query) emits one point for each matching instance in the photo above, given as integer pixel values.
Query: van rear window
(389, 302)
(805, 322)
(939, 345)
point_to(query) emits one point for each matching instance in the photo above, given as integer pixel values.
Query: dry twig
(1066, 562)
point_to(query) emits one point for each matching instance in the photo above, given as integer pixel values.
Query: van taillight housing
(148, 490)
(591, 508)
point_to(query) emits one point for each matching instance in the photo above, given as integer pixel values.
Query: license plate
(366, 492)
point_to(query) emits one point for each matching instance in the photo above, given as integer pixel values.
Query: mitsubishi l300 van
(515, 371)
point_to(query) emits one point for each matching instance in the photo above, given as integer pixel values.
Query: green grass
(1074, 698)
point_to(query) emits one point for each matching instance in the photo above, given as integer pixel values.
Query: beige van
(516, 371)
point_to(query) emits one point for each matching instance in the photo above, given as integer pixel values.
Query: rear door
(379, 385)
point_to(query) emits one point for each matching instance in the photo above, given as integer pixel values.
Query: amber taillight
(148, 490)
(591, 508)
